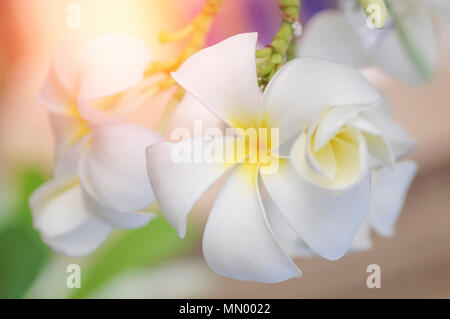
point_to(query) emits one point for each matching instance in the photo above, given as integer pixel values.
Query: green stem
(291, 53)
(281, 49)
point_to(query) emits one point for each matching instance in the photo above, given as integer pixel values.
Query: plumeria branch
(274, 55)
(198, 31)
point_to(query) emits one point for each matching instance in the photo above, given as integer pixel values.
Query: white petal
(389, 190)
(284, 233)
(392, 132)
(362, 240)
(363, 124)
(48, 213)
(113, 167)
(377, 145)
(127, 220)
(302, 89)
(120, 106)
(223, 78)
(63, 220)
(328, 35)
(178, 184)
(67, 159)
(322, 162)
(339, 167)
(63, 61)
(82, 241)
(326, 221)
(54, 96)
(108, 65)
(332, 122)
(237, 241)
(189, 112)
(70, 137)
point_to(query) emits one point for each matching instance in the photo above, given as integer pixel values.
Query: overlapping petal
(190, 112)
(377, 144)
(122, 220)
(238, 241)
(64, 221)
(301, 90)
(389, 190)
(113, 167)
(107, 66)
(70, 136)
(338, 166)
(362, 240)
(179, 182)
(82, 241)
(284, 233)
(91, 77)
(223, 78)
(110, 64)
(326, 221)
(63, 61)
(55, 96)
(393, 133)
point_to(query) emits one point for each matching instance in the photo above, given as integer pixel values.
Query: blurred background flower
(146, 263)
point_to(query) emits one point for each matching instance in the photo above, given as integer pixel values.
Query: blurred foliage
(22, 257)
(147, 247)
(22, 253)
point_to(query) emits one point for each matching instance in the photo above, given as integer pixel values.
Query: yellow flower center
(257, 138)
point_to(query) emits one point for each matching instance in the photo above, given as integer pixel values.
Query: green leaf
(28, 181)
(22, 258)
(22, 253)
(148, 246)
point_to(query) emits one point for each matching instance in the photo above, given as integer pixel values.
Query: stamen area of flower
(335, 165)
(80, 126)
(255, 143)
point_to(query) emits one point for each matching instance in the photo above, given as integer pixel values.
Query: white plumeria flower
(100, 179)
(344, 37)
(389, 185)
(312, 203)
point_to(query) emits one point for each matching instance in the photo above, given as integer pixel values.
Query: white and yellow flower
(408, 47)
(100, 179)
(316, 199)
